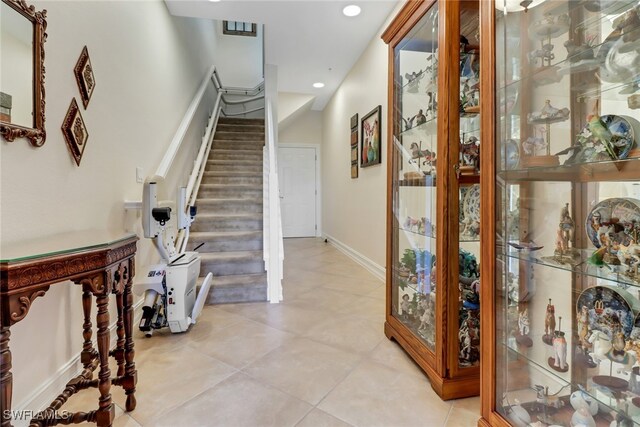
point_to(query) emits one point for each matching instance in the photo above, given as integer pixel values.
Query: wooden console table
(102, 263)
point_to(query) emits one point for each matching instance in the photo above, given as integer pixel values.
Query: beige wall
(354, 210)
(148, 66)
(305, 130)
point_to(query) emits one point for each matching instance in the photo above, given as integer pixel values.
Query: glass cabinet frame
(432, 253)
(561, 194)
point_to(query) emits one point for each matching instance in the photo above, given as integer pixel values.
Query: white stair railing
(243, 96)
(273, 242)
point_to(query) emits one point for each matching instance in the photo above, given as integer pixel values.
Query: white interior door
(297, 175)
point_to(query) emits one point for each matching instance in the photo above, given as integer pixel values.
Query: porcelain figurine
(578, 52)
(413, 80)
(534, 144)
(420, 118)
(549, 113)
(600, 132)
(412, 224)
(518, 415)
(523, 329)
(408, 122)
(560, 351)
(470, 152)
(418, 153)
(564, 237)
(582, 418)
(634, 102)
(545, 54)
(404, 305)
(580, 399)
(634, 384)
(549, 324)
(600, 345)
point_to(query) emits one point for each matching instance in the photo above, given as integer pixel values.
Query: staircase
(229, 220)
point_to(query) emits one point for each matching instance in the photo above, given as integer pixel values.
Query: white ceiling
(303, 38)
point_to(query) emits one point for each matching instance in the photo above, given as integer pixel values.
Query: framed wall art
(75, 131)
(354, 146)
(84, 77)
(370, 144)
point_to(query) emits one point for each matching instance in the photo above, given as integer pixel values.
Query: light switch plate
(139, 175)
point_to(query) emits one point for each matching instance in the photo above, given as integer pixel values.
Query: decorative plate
(616, 210)
(593, 150)
(511, 154)
(471, 203)
(619, 67)
(608, 309)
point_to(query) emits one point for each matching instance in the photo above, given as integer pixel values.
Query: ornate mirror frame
(37, 134)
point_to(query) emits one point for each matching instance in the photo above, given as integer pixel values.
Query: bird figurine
(597, 258)
(408, 122)
(573, 152)
(600, 133)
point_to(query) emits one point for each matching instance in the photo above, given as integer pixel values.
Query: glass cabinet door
(468, 333)
(568, 209)
(413, 284)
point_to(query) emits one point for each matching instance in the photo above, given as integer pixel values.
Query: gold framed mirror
(22, 37)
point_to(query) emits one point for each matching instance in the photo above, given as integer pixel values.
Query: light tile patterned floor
(318, 359)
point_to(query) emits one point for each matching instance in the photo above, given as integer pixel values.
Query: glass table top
(60, 244)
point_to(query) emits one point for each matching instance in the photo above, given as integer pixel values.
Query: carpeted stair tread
(205, 216)
(234, 162)
(231, 256)
(235, 151)
(239, 121)
(216, 200)
(231, 186)
(212, 235)
(247, 174)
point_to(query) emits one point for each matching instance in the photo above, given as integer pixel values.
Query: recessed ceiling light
(214, 0)
(318, 85)
(352, 10)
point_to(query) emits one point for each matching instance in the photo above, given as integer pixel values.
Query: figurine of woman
(523, 322)
(420, 118)
(549, 324)
(566, 228)
(583, 327)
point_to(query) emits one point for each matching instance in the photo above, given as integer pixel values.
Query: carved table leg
(118, 352)
(6, 379)
(87, 347)
(106, 410)
(130, 367)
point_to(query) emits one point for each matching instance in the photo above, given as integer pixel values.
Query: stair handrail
(178, 137)
(273, 241)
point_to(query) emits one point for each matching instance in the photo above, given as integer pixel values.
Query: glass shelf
(424, 128)
(416, 233)
(580, 266)
(587, 388)
(582, 172)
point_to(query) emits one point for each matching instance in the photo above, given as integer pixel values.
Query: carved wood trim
(20, 306)
(37, 134)
(56, 269)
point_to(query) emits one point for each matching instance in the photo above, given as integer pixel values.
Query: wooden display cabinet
(561, 212)
(433, 221)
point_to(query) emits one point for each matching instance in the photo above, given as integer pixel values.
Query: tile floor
(318, 359)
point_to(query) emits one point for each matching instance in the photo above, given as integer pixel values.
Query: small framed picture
(370, 144)
(75, 131)
(84, 77)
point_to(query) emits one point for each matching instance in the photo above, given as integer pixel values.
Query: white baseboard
(371, 266)
(42, 396)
